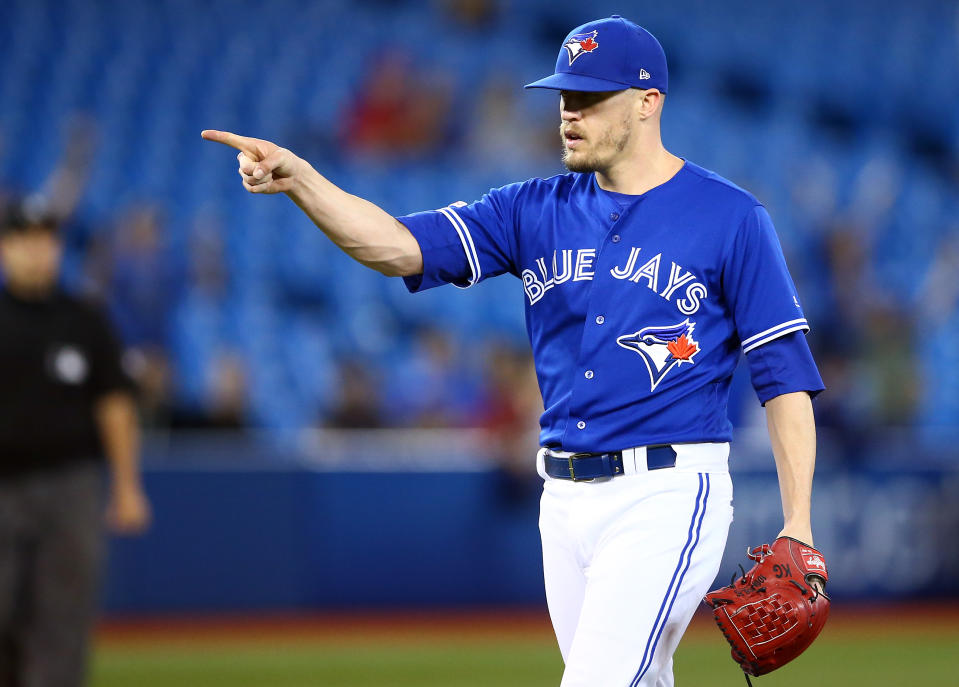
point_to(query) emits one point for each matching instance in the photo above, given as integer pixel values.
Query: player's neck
(29, 291)
(640, 171)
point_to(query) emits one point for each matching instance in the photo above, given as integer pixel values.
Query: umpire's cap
(29, 212)
(610, 54)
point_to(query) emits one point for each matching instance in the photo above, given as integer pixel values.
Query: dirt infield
(334, 626)
(397, 626)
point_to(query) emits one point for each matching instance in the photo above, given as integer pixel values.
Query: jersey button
(580, 425)
(614, 216)
(600, 319)
(589, 374)
(615, 238)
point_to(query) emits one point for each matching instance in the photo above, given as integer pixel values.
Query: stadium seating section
(835, 114)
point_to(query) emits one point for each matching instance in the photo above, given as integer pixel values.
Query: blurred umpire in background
(64, 403)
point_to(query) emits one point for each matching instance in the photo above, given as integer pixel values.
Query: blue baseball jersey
(637, 307)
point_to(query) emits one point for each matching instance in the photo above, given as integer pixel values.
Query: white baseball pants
(627, 560)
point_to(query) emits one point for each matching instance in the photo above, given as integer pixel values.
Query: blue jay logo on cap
(662, 348)
(580, 44)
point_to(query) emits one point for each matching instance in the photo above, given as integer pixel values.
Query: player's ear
(649, 102)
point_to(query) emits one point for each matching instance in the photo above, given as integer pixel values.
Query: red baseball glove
(773, 612)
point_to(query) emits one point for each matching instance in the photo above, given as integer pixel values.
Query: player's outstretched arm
(792, 430)
(365, 232)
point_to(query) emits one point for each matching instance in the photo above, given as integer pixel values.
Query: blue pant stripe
(672, 591)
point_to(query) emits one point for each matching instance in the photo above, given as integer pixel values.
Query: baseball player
(644, 277)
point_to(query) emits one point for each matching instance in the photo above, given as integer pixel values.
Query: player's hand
(264, 166)
(128, 510)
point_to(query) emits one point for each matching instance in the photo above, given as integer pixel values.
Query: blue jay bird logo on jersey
(580, 44)
(662, 348)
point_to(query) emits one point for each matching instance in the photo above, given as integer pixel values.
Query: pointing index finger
(242, 143)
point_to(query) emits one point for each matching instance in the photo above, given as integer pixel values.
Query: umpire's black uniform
(57, 359)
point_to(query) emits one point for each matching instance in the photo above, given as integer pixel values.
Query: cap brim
(577, 82)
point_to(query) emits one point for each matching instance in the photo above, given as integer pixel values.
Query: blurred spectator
(218, 396)
(142, 280)
(142, 289)
(939, 356)
(211, 372)
(65, 186)
(500, 137)
(865, 336)
(509, 415)
(851, 283)
(939, 294)
(356, 403)
(889, 357)
(64, 403)
(399, 109)
(437, 386)
(843, 411)
(227, 400)
(471, 14)
(63, 191)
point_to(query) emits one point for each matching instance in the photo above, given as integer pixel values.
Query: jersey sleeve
(783, 366)
(756, 283)
(463, 244)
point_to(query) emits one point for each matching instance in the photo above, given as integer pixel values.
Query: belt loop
(630, 464)
(541, 463)
(639, 455)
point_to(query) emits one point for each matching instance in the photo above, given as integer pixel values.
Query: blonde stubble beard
(607, 141)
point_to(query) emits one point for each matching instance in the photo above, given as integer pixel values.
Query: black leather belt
(582, 467)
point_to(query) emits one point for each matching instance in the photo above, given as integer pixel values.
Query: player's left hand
(804, 534)
(776, 609)
(128, 510)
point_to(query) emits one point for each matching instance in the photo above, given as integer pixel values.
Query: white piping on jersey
(801, 320)
(471, 257)
(774, 333)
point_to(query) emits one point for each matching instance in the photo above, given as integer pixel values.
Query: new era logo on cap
(630, 57)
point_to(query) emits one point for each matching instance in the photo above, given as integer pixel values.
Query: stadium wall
(251, 533)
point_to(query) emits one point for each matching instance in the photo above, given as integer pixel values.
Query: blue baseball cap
(610, 54)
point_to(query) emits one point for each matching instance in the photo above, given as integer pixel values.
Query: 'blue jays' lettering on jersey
(636, 312)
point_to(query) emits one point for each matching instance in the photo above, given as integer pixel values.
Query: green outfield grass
(839, 659)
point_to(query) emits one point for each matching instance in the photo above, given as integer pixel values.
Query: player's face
(596, 128)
